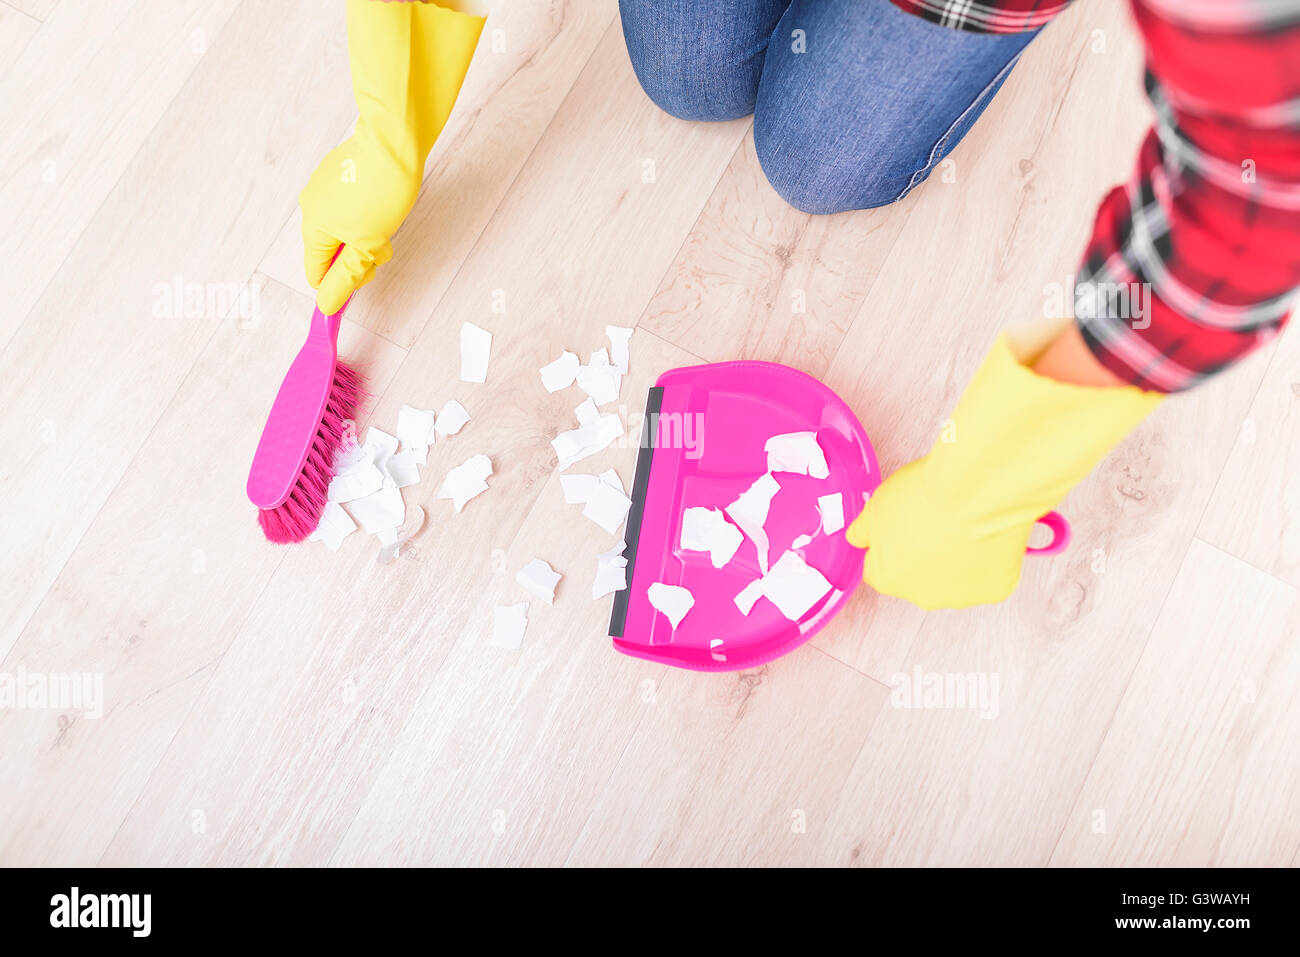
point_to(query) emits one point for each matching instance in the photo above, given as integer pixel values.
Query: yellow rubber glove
(950, 530)
(407, 61)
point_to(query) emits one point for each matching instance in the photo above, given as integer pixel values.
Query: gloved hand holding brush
(950, 529)
(407, 60)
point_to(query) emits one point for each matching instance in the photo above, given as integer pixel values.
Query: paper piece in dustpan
(796, 452)
(672, 601)
(707, 530)
(749, 511)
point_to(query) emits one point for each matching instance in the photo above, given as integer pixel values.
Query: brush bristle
(298, 517)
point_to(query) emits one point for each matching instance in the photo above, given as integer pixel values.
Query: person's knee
(812, 172)
(687, 71)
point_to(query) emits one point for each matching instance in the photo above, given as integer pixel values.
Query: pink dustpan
(703, 445)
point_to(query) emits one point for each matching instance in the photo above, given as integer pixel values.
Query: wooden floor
(293, 706)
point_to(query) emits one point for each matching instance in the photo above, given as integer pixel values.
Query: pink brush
(294, 461)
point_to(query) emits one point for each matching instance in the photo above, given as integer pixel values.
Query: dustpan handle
(1060, 535)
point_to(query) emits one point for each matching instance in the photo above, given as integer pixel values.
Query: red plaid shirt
(1196, 260)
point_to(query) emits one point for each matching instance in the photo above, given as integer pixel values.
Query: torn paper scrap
(379, 510)
(794, 586)
(607, 506)
(618, 351)
(587, 413)
(610, 478)
(508, 624)
(748, 595)
(611, 572)
(379, 445)
(707, 530)
(466, 480)
(391, 542)
(357, 481)
(600, 380)
(716, 649)
(560, 373)
(577, 444)
(451, 419)
(414, 427)
(577, 488)
(672, 601)
(539, 578)
(832, 509)
(796, 452)
(402, 469)
(801, 541)
(475, 347)
(749, 511)
(335, 525)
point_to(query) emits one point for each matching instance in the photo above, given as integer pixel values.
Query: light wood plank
(40, 9)
(16, 31)
(1199, 766)
(758, 279)
(1255, 511)
(98, 358)
(78, 104)
(529, 56)
(155, 591)
(723, 772)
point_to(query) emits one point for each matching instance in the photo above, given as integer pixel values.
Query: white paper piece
(560, 373)
(801, 541)
(716, 649)
(475, 348)
(610, 478)
(794, 586)
(796, 452)
(357, 481)
(607, 506)
(672, 601)
(707, 530)
(389, 550)
(748, 595)
(379, 445)
(749, 511)
(466, 480)
(577, 444)
(380, 510)
(402, 469)
(611, 572)
(618, 351)
(335, 525)
(508, 625)
(414, 427)
(600, 380)
(577, 488)
(832, 509)
(539, 578)
(451, 419)
(587, 413)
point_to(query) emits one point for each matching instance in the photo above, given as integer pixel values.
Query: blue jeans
(854, 101)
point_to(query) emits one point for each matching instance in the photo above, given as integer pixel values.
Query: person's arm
(408, 60)
(1191, 265)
